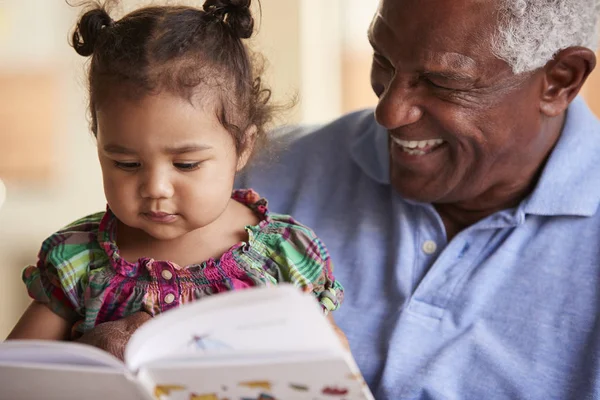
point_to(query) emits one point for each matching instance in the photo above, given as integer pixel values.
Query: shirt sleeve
(56, 278)
(305, 262)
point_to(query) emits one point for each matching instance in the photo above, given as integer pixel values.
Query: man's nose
(398, 105)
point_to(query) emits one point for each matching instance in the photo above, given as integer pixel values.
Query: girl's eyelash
(127, 165)
(187, 166)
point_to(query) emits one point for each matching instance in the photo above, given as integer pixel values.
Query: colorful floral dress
(81, 276)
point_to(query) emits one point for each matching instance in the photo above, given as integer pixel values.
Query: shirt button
(429, 247)
(166, 274)
(169, 298)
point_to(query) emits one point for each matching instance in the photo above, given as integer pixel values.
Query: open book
(254, 344)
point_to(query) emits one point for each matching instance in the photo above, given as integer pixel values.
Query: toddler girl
(176, 110)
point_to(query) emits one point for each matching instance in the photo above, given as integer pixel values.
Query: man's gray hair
(531, 32)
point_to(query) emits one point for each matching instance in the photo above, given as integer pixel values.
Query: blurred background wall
(316, 49)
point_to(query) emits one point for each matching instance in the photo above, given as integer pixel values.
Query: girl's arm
(39, 322)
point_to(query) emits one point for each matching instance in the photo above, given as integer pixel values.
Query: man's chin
(417, 192)
(424, 194)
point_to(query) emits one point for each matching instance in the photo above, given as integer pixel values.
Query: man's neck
(459, 216)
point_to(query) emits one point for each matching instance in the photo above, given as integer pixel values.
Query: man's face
(461, 124)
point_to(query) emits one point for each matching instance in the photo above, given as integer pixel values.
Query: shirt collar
(569, 183)
(369, 146)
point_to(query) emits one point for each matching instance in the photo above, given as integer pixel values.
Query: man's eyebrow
(451, 75)
(453, 66)
(455, 61)
(371, 41)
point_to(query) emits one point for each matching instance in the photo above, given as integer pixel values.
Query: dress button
(429, 247)
(169, 298)
(166, 274)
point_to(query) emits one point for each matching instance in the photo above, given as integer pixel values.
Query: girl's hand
(339, 332)
(112, 336)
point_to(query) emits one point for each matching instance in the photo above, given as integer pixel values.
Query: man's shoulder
(332, 133)
(313, 159)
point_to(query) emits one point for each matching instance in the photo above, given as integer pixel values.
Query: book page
(54, 382)
(251, 321)
(32, 369)
(57, 353)
(295, 378)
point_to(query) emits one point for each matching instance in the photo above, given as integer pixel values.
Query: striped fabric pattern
(81, 276)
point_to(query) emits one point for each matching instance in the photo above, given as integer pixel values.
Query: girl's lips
(160, 217)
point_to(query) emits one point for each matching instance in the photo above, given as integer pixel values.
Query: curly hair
(180, 50)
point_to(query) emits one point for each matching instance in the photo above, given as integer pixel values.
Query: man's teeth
(421, 144)
(414, 147)
(414, 152)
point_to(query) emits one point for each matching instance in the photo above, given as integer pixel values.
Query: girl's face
(168, 165)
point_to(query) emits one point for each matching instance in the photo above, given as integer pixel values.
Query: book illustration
(213, 396)
(205, 342)
(334, 391)
(298, 387)
(210, 396)
(262, 396)
(165, 390)
(265, 385)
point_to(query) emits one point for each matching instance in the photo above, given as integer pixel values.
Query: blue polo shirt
(508, 309)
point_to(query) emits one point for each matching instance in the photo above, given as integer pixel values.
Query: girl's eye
(187, 166)
(128, 166)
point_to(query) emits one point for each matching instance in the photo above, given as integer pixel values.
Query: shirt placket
(453, 263)
(168, 287)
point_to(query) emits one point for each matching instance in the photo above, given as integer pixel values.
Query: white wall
(33, 38)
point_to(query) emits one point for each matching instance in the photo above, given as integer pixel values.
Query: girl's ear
(249, 142)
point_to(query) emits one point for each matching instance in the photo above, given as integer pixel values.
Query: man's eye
(382, 61)
(436, 85)
(128, 166)
(187, 166)
(447, 84)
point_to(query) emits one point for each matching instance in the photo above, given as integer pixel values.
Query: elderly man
(462, 214)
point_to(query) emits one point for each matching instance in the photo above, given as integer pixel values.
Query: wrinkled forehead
(459, 30)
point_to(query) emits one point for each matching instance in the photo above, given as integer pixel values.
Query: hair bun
(88, 29)
(233, 13)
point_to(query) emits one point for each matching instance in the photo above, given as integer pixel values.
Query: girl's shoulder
(277, 233)
(271, 223)
(64, 262)
(77, 236)
(293, 251)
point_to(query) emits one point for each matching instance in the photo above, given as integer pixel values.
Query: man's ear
(564, 76)
(249, 143)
